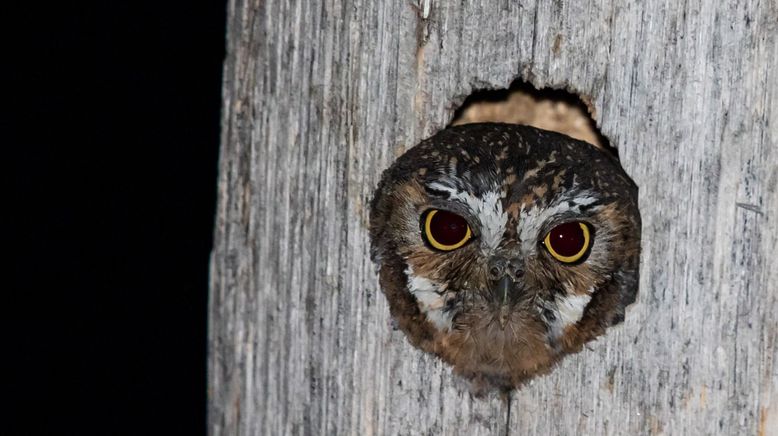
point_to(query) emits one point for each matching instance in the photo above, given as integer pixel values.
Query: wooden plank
(321, 95)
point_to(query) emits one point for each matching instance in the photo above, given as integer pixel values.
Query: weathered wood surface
(321, 95)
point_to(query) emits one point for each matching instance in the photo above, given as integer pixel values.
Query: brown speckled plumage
(512, 183)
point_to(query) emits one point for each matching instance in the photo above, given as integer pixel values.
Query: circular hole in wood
(521, 103)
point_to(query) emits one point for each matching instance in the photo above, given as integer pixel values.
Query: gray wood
(321, 95)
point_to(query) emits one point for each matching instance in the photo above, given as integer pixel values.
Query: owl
(501, 248)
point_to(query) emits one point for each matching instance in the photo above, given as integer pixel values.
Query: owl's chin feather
(501, 356)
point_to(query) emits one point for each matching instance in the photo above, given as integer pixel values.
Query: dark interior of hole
(555, 95)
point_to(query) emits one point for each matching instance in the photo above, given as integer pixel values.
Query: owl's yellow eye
(445, 230)
(568, 242)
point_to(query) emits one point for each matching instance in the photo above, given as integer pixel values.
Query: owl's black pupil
(448, 228)
(567, 239)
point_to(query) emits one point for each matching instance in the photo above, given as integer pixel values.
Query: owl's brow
(435, 191)
(448, 187)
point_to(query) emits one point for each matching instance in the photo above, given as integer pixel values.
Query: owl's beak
(503, 289)
(502, 293)
(504, 272)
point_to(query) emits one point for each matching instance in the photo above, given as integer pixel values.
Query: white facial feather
(568, 310)
(488, 209)
(571, 307)
(431, 299)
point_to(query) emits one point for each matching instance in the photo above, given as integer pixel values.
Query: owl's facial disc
(476, 257)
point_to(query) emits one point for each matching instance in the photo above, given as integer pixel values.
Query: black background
(111, 126)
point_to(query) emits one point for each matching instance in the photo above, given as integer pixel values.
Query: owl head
(501, 248)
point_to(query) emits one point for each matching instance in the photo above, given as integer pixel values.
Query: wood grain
(321, 95)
